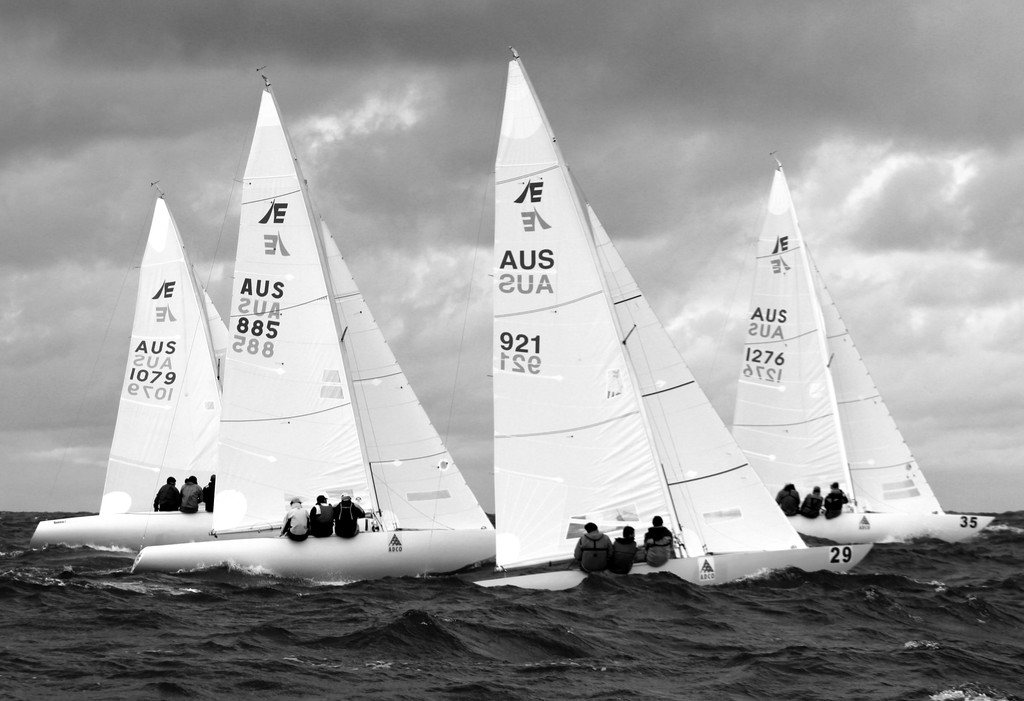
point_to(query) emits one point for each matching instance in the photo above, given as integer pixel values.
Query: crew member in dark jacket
(788, 500)
(321, 518)
(834, 501)
(593, 549)
(811, 507)
(657, 543)
(347, 516)
(167, 497)
(191, 495)
(623, 552)
(208, 492)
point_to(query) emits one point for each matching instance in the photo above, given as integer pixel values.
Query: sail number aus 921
(520, 353)
(837, 554)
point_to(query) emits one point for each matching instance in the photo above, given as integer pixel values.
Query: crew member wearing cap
(296, 521)
(167, 498)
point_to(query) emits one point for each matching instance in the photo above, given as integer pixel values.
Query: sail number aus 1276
(759, 362)
(519, 353)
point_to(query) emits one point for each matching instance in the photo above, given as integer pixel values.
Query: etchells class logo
(273, 244)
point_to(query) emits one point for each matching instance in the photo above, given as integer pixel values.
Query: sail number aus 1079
(520, 353)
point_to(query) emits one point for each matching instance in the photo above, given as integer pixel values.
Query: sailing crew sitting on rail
(296, 522)
(321, 518)
(623, 552)
(167, 497)
(593, 549)
(811, 507)
(191, 495)
(658, 543)
(834, 501)
(788, 500)
(346, 520)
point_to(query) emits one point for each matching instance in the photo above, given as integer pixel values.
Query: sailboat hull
(367, 556)
(707, 570)
(132, 531)
(891, 527)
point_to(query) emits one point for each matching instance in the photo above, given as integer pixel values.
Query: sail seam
(553, 306)
(567, 430)
(376, 377)
(418, 457)
(859, 399)
(782, 340)
(272, 197)
(529, 175)
(284, 418)
(285, 309)
(704, 477)
(798, 423)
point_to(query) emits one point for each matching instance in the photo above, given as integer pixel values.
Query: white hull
(710, 569)
(853, 527)
(333, 559)
(132, 531)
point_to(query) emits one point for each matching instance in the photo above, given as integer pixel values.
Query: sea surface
(915, 621)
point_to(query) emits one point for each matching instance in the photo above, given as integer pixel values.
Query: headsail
(289, 427)
(415, 477)
(170, 405)
(721, 501)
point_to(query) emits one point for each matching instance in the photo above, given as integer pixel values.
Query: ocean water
(915, 621)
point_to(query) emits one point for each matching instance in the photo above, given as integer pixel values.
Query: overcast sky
(900, 125)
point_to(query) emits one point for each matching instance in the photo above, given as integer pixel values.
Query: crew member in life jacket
(321, 518)
(658, 543)
(624, 552)
(834, 501)
(593, 550)
(346, 518)
(811, 507)
(788, 500)
(296, 522)
(167, 497)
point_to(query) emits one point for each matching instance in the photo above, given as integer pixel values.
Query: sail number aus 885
(837, 554)
(520, 353)
(254, 346)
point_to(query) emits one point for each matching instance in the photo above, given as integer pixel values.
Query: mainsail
(170, 407)
(289, 427)
(597, 417)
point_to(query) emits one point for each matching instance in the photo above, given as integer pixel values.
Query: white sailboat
(314, 403)
(808, 412)
(169, 411)
(596, 416)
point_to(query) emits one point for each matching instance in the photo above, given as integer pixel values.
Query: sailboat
(314, 403)
(596, 416)
(169, 410)
(807, 411)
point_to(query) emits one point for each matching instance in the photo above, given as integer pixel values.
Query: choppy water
(917, 621)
